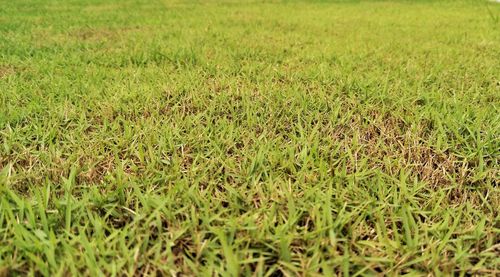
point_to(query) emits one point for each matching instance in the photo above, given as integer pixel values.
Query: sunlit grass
(240, 138)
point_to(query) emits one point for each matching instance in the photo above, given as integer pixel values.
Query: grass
(249, 138)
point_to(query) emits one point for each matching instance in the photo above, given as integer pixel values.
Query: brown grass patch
(89, 34)
(94, 171)
(102, 34)
(386, 139)
(6, 70)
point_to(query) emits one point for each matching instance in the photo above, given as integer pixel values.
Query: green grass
(249, 138)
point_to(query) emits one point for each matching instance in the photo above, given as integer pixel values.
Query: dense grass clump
(242, 137)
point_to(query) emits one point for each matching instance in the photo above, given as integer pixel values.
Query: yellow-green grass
(249, 137)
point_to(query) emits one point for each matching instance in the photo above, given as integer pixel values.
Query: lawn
(242, 138)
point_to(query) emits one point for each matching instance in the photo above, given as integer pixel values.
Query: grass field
(249, 138)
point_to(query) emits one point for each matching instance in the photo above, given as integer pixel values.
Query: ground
(249, 137)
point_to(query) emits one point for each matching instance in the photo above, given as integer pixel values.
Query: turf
(249, 138)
